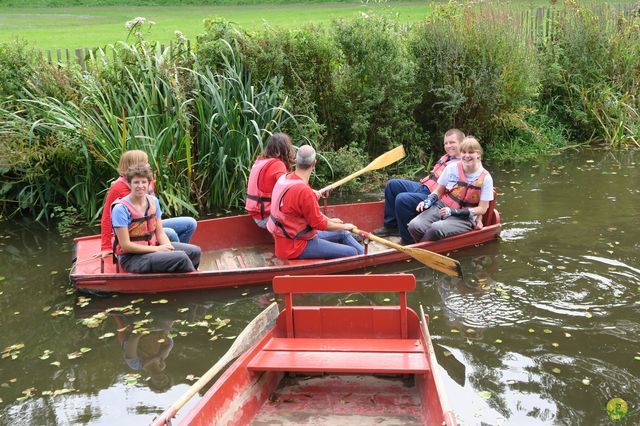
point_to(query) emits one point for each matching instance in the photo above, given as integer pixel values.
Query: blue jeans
(401, 197)
(331, 245)
(179, 229)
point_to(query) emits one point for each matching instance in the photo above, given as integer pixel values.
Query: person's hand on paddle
(319, 194)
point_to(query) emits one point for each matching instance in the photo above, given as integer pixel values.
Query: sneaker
(383, 231)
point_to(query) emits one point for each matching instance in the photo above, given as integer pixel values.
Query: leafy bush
(376, 85)
(471, 73)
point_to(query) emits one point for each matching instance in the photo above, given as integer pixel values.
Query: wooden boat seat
(369, 354)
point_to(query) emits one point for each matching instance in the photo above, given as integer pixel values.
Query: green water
(542, 330)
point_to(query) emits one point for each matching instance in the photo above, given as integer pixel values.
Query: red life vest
(258, 201)
(142, 229)
(123, 179)
(431, 181)
(464, 193)
(286, 225)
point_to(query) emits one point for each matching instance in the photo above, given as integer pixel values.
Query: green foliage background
(353, 89)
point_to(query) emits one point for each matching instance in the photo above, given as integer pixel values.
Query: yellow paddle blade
(428, 258)
(384, 160)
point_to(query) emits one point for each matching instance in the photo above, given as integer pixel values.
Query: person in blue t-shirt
(140, 241)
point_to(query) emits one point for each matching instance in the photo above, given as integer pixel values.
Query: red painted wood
(340, 362)
(240, 232)
(344, 345)
(344, 284)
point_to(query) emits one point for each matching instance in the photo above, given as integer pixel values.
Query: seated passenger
(464, 192)
(401, 196)
(300, 230)
(140, 243)
(274, 161)
(178, 229)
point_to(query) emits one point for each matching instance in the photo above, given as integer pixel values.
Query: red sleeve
(311, 210)
(117, 190)
(271, 175)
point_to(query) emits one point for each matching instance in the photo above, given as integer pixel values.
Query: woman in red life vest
(401, 196)
(141, 244)
(178, 229)
(274, 161)
(463, 194)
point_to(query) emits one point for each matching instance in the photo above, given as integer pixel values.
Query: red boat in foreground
(236, 252)
(355, 365)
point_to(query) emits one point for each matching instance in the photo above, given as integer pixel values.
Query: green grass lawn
(98, 26)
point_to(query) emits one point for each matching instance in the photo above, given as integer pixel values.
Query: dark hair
(138, 170)
(279, 146)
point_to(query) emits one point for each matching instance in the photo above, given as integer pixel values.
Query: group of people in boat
(450, 200)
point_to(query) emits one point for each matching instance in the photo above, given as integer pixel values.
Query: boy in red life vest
(401, 196)
(178, 229)
(300, 230)
(274, 161)
(464, 192)
(141, 244)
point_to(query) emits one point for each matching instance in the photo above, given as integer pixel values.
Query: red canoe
(236, 252)
(333, 365)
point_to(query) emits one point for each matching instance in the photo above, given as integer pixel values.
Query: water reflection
(543, 329)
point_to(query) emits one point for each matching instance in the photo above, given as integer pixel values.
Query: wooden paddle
(249, 336)
(384, 160)
(433, 260)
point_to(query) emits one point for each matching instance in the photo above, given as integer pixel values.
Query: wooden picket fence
(66, 57)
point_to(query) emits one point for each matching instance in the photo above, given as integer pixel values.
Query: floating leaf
(555, 345)
(231, 337)
(85, 350)
(244, 294)
(547, 331)
(191, 377)
(637, 358)
(588, 315)
(182, 310)
(55, 363)
(2, 279)
(498, 340)
(531, 330)
(485, 394)
(586, 382)
(208, 317)
(54, 272)
(160, 301)
(106, 335)
(455, 330)
(349, 301)
(131, 378)
(556, 370)
(511, 382)
(62, 391)
(567, 335)
(386, 299)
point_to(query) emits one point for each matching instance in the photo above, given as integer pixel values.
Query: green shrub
(376, 85)
(471, 72)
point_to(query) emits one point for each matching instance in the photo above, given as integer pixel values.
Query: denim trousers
(331, 245)
(179, 229)
(401, 197)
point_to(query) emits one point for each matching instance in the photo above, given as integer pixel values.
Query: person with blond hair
(462, 196)
(178, 229)
(140, 241)
(401, 196)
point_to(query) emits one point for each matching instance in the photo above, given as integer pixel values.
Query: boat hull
(239, 253)
(379, 365)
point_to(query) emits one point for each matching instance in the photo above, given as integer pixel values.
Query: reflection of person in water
(147, 351)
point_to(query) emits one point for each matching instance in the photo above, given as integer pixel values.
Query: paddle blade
(428, 258)
(436, 261)
(389, 157)
(254, 331)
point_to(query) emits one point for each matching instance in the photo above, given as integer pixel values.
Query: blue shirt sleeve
(120, 216)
